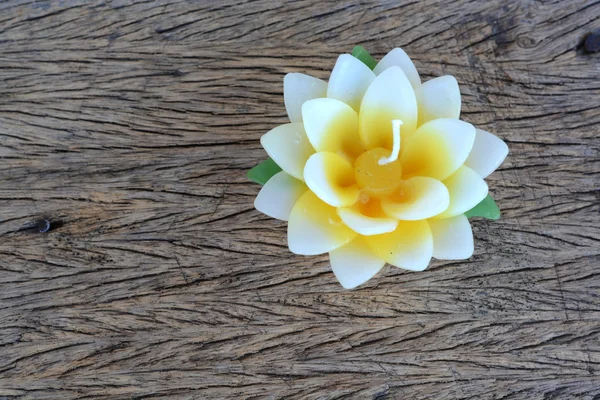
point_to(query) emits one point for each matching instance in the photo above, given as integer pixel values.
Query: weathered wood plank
(130, 125)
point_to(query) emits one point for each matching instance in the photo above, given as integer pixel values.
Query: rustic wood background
(130, 126)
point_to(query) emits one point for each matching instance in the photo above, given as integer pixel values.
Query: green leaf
(363, 55)
(263, 171)
(487, 208)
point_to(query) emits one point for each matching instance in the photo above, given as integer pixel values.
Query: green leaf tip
(363, 55)
(487, 208)
(263, 171)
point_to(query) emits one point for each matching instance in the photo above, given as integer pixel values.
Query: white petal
(331, 178)
(437, 149)
(466, 190)
(332, 125)
(488, 153)
(289, 147)
(438, 98)
(315, 228)
(452, 238)
(399, 58)
(390, 97)
(354, 263)
(365, 225)
(349, 80)
(410, 246)
(299, 88)
(421, 198)
(277, 198)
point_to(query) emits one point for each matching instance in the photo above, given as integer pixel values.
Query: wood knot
(43, 225)
(591, 43)
(526, 42)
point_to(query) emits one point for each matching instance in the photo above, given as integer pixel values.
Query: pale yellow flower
(377, 168)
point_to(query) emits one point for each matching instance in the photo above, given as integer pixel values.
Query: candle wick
(396, 143)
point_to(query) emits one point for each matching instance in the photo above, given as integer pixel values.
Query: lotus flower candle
(377, 167)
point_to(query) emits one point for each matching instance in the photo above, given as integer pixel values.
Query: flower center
(373, 177)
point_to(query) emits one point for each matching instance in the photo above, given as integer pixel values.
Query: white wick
(396, 143)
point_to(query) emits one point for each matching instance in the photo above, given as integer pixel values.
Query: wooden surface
(130, 126)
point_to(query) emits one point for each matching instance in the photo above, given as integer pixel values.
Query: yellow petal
(299, 88)
(349, 80)
(488, 153)
(398, 58)
(410, 246)
(354, 263)
(452, 238)
(315, 228)
(390, 97)
(466, 190)
(417, 198)
(332, 125)
(277, 198)
(289, 147)
(437, 148)
(365, 225)
(331, 178)
(438, 98)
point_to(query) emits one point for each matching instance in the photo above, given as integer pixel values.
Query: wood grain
(130, 126)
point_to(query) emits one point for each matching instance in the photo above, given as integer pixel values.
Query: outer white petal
(277, 198)
(438, 98)
(390, 97)
(452, 238)
(315, 228)
(466, 190)
(289, 147)
(332, 125)
(366, 225)
(438, 148)
(349, 80)
(410, 246)
(399, 58)
(354, 263)
(331, 178)
(488, 153)
(299, 88)
(426, 198)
